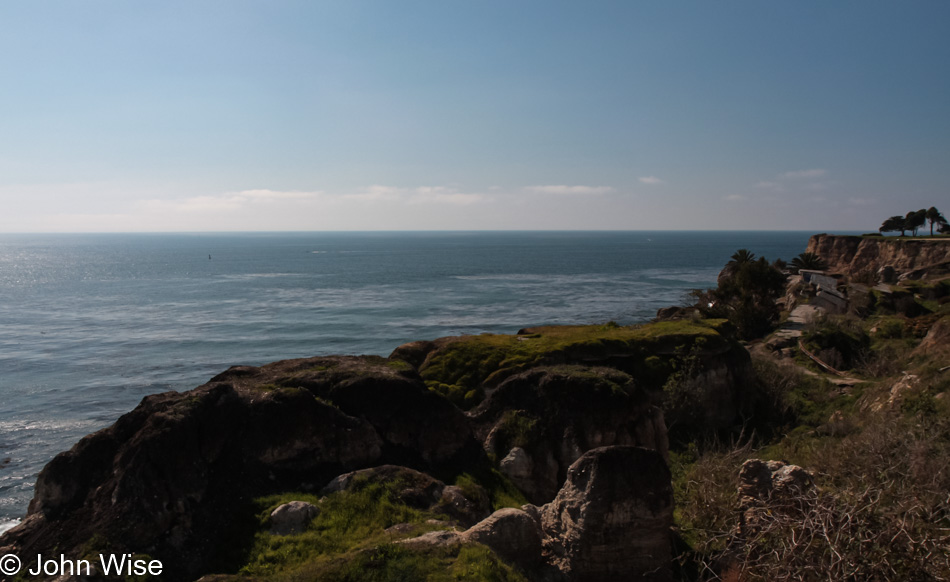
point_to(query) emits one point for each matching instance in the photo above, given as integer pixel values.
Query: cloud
(570, 190)
(231, 201)
(377, 193)
(781, 183)
(278, 195)
(442, 195)
(418, 195)
(651, 180)
(734, 198)
(803, 174)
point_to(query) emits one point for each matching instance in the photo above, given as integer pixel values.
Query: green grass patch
(349, 521)
(348, 540)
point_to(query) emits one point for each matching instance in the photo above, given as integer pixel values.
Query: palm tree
(741, 257)
(808, 261)
(934, 216)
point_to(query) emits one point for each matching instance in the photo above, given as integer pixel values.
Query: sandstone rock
(542, 420)
(292, 518)
(512, 534)
(852, 255)
(761, 481)
(167, 477)
(612, 519)
(937, 340)
(461, 508)
(769, 486)
(519, 467)
(901, 388)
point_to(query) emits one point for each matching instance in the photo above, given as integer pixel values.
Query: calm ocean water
(89, 324)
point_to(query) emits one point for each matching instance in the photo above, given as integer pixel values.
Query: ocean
(90, 324)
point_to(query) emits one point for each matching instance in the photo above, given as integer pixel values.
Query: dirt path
(792, 330)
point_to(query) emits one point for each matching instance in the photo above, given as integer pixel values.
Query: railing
(817, 360)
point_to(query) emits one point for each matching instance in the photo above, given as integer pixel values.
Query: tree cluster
(914, 220)
(745, 295)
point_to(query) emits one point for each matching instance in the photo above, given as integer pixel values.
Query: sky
(200, 115)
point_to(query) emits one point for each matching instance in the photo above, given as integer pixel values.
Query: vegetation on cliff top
(461, 369)
(878, 451)
(914, 220)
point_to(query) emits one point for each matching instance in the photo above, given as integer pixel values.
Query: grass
(349, 541)
(350, 522)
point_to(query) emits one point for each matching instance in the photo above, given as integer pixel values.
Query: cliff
(374, 449)
(856, 255)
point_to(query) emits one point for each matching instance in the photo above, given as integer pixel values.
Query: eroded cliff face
(856, 255)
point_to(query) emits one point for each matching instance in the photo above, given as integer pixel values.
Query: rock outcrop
(169, 477)
(292, 518)
(539, 422)
(513, 534)
(570, 415)
(612, 519)
(857, 255)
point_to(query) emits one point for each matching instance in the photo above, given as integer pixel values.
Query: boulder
(611, 520)
(292, 518)
(770, 486)
(761, 481)
(512, 534)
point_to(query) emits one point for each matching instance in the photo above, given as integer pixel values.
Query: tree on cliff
(934, 216)
(745, 295)
(893, 224)
(914, 220)
(739, 258)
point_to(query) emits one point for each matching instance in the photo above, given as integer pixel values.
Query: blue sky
(358, 115)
